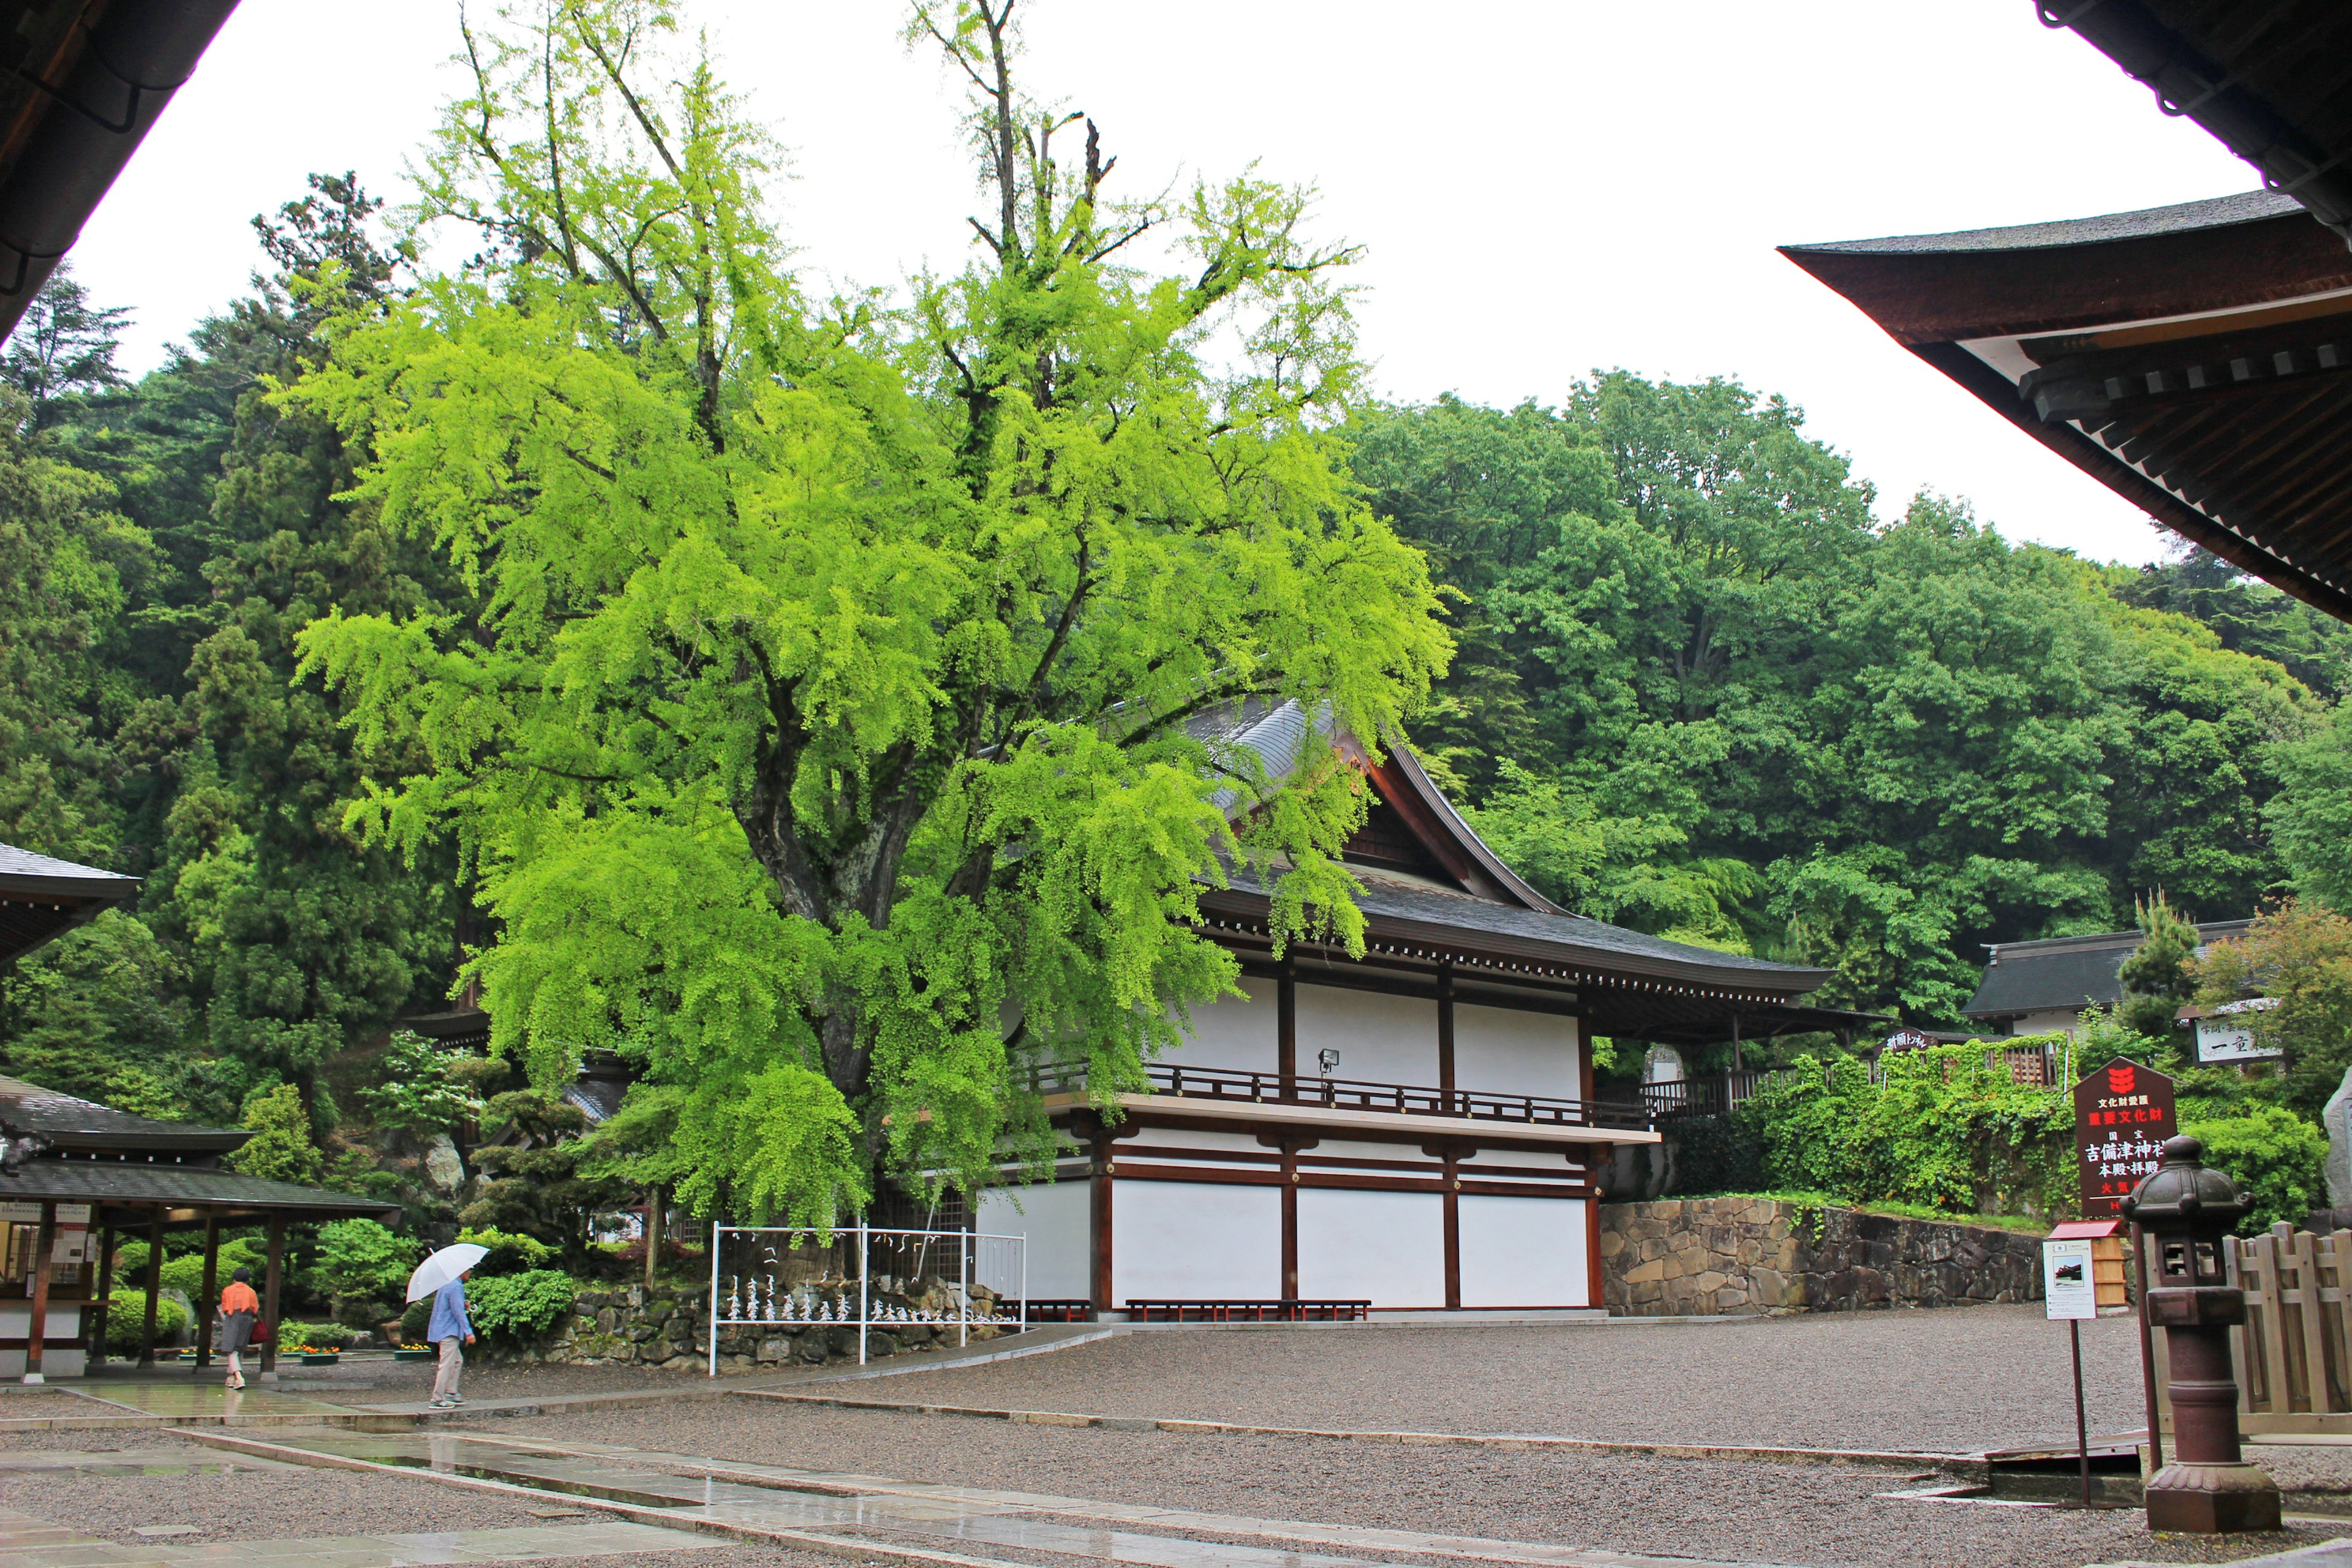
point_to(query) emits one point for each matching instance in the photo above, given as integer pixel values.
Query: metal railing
(786, 1277)
(1231, 1084)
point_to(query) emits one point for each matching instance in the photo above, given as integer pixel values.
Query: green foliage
(1702, 693)
(1718, 1154)
(185, 1273)
(511, 1252)
(833, 667)
(538, 1168)
(318, 1336)
(2311, 816)
(100, 1013)
(516, 1309)
(1943, 1131)
(2277, 1159)
(280, 1148)
(2156, 977)
(359, 1257)
(2300, 954)
(126, 1318)
(415, 1091)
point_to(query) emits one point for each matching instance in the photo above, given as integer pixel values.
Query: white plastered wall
(1524, 1252)
(1055, 1217)
(1236, 1033)
(1196, 1241)
(1499, 1051)
(1385, 1247)
(1380, 1038)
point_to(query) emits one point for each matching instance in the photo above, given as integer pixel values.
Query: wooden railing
(2294, 1353)
(1351, 1094)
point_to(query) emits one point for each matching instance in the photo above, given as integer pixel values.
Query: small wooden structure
(72, 1170)
(2294, 1354)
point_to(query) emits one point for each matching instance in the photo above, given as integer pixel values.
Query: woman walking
(240, 1310)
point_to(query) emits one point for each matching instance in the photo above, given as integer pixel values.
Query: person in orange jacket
(240, 1310)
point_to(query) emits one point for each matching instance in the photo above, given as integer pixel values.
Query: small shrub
(318, 1336)
(1718, 1154)
(511, 1251)
(517, 1309)
(126, 1316)
(359, 1257)
(2277, 1159)
(414, 1319)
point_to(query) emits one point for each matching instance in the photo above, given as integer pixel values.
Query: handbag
(260, 1331)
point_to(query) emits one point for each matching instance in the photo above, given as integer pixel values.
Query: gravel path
(35, 1406)
(1959, 1380)
(1795, 1514)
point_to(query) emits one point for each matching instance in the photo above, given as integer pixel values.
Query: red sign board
(2122, 1114)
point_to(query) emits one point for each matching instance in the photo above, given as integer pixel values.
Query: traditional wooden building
(74, 1174)
(1415, 1128)
(2040, 987)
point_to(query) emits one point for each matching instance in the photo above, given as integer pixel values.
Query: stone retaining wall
(670, 1328)
(1702, 1257)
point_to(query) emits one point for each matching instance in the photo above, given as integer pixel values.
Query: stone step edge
(833, 1546)
(1963, 1465)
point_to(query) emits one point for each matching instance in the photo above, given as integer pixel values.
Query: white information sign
(2070, 1287)
(2223, 1036)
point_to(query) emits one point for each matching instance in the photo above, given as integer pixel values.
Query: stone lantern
(2186, 1213)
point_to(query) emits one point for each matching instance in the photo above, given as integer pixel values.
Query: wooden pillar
(1596, 1158)
(208, 1304)
(1453, 1221)
(275, 1272)
(155, 1287)
(1289, 1220)
(1734, 1052)
(1446, 1039)
(1098, 1217)
(101, 1299)
(1285, 1031)
(36, 1328)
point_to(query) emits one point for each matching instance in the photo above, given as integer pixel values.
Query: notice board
(2122, 1114)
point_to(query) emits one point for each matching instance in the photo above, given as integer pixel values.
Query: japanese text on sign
(2122, 1114)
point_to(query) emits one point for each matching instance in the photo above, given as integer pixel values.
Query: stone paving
(27, 1541)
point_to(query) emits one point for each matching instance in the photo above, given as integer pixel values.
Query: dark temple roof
(2196, 360)
(41, 898)
(143, 1189)
(2068, 971)
(65, 1122)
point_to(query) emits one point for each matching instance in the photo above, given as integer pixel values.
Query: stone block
(1612, 1243)
(1714, 1279)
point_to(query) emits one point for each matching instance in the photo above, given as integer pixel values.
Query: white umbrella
(443, 1267)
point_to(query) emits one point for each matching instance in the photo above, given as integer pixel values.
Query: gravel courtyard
(1743, 1513)
(1959, 1380)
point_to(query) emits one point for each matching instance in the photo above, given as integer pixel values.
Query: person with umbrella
(443, 1278)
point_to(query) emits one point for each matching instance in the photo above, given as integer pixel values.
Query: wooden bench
(1277, 1311)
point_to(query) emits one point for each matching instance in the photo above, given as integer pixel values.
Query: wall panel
(1387, 1247)
(1194, 1241)
(1053, 1216)
(1523, 1252)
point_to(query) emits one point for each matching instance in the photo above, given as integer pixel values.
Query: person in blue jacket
(449, 1327)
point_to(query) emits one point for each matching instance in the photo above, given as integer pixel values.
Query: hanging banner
(2122, 1114)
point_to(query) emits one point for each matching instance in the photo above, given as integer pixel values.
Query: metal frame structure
(866, 1321)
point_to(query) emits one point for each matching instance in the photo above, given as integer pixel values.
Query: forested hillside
(1700, 689)
(1700, 692)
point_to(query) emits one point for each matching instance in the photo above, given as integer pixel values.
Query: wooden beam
(275, 1274)
(1452, 1179)
(208, 1305)
(155, 1287)
(102, 1296)
(1099, 1216)
(36, 1327)
(1286, 1029)
(1445, 1037)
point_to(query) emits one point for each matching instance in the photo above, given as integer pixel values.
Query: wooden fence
(2294, 1359)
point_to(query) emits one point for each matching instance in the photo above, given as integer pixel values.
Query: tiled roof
(145, 1183)
(54, 876)
(66, 1122)
(1567, 939)
(2065, 971)
(2247, 207)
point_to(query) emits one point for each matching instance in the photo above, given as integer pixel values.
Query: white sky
(1544, 186)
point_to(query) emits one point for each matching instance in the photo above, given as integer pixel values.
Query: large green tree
(845, 674)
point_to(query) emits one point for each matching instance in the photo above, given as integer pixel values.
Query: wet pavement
(843, 1511)
(27, 1541)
